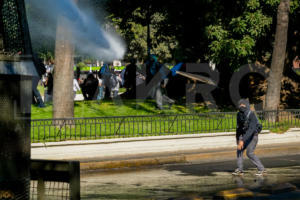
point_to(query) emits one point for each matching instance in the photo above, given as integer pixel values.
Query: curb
(184, 158)
(133, 163)
(293, 130)
(134, 139)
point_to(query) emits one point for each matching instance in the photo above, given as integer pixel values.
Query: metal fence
(47, 130)
(54, 180)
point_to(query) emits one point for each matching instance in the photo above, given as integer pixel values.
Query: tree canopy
(201, 30)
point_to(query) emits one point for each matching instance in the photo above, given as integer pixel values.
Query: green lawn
(111, 108)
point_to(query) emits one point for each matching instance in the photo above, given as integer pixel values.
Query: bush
(81, 65)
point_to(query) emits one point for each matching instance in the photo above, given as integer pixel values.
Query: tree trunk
(278, 58)
(63, 97)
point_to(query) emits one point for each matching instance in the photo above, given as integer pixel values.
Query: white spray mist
(87, 35)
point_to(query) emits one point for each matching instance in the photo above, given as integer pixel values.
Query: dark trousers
(250, 147)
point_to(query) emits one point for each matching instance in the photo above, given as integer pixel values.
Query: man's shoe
(238, 172)
(261, 173)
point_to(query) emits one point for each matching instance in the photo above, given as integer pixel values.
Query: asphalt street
(196, 180)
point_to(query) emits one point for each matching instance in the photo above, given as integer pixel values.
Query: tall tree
(63, 97)
(278, 57)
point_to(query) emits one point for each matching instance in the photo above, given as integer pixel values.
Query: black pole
(15, 101)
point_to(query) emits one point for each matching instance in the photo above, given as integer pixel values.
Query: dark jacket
(130, 76)
(39, 65)
(89, 87)
(246, 129)
(49, 84)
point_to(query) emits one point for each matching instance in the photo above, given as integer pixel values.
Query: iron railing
(47, 130)
(54, 180)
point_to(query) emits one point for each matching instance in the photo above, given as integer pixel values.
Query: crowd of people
(103, 84)
(94, 86)
(106, 82)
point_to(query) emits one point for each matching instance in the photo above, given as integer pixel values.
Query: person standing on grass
(90, 87)
(154, 68)
(75, 87)
(49, 85)
(130, 78)
(41, 70)
(247, 131)
(100, 88)
(115, 82)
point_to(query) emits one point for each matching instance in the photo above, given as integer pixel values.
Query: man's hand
(240, 145)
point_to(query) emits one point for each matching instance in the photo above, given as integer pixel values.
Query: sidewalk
(136, 152)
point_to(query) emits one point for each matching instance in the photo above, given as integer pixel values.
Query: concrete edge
(182, 158)
(294, 130)
(133, 163)
(134, 139)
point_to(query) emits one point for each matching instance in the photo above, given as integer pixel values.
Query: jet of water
(87, 35)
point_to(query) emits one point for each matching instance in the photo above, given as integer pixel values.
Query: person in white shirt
(75, 87)
(116, 87)
(101, 88)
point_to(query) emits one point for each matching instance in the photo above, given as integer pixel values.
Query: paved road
(195, 181)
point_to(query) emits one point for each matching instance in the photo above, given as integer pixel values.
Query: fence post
(41, 189)
(74, 180)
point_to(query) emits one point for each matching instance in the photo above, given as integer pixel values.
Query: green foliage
(294, 6)
(281, 129)
(134, 30)
(253, 4)
(236, 40)
(46, 56)
(236, 33)
(88, 61)
(82, 65)
(273, 3)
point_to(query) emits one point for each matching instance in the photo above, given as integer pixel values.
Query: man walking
(247, 137)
